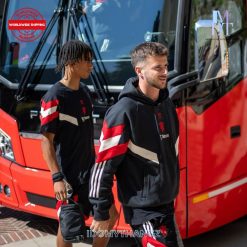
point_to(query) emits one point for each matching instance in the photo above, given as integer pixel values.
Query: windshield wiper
(99, 82)
(19, 96)
(101, 91)
(42, 67)
(100, 66)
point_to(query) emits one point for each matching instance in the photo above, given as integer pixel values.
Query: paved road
(231, 235)
(18, 229)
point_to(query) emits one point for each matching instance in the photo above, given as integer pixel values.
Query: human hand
(100, 228)
(60, 191)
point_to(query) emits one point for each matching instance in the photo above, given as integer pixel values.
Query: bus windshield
(17, 46)
(111, 27)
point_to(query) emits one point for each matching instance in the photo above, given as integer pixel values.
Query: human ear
(138, 71)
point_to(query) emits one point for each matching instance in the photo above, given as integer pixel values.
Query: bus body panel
(32, 153)
(217, 210)
(181, 112)
(181, 205)
(214, 157)
(217, 175)
(38, 185)
(181, 200)
(10, 127)
(6, 179)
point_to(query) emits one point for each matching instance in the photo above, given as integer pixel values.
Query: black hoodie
(138, 144)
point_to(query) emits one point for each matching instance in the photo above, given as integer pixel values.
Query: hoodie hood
(130, 90)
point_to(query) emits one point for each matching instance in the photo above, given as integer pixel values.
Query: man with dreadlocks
(67, 131)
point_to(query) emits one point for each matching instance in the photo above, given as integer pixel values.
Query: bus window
(235, 67)
(114, 28)
(2, 3)
(230, 12)
(17, 52)
(211, 51)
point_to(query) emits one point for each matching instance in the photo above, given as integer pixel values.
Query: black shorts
(82, 198)
(158, 232)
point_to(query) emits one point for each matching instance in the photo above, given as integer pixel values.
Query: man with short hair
(139, 144)
(67, 129)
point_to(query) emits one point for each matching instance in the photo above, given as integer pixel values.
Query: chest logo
(83, 107)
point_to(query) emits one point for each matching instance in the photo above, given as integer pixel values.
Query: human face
(154, 71)
(83, 68)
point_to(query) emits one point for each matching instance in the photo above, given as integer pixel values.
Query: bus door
(216, 119)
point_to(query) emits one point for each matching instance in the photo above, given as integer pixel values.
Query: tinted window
(16, 51)
(230, 12)
(114, 27)
(111, 27)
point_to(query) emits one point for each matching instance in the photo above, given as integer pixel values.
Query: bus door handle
(235, 131)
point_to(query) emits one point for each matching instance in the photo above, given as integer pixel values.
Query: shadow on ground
(231, 235)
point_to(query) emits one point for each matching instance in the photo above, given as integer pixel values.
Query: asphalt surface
(26, 230)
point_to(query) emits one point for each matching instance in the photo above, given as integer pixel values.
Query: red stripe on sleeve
(49, 104)
(49, 118)
(112, 152)
(113, 131)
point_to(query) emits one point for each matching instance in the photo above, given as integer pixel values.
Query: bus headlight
(6, 190)
(6, 149)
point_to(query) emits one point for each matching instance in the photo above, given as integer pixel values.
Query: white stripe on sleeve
(147, 154)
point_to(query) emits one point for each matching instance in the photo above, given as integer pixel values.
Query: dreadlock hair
(72, 52)
(140, 53)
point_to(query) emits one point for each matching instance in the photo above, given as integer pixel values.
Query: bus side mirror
(211, 53)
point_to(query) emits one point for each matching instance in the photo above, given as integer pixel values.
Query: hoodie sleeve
(113, 146)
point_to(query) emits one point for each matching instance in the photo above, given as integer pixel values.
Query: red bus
(207, 82)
